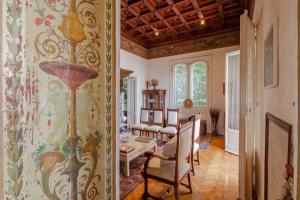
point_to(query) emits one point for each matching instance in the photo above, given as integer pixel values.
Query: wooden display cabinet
(154, 99)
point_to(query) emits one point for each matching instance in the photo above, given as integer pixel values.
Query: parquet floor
(216, 178)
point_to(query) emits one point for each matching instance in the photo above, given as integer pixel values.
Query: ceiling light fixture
(201, 18)
(202, 21)
(156, 33)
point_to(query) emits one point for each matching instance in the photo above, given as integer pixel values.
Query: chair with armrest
(144, 121)
(170, 169)
(172, 124)
(157, 125)
(196, 141)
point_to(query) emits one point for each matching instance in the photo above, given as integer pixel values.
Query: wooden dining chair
(171, 125)
(170, 170)
(157, 124)
(144, 121)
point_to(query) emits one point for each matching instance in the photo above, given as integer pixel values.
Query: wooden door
(247, 107)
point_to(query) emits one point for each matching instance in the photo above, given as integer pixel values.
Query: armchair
(171, 170)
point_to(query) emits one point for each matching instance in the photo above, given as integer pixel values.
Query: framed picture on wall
(279, 171)
(271, 57)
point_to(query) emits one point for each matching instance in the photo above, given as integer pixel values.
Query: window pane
(181, 83)
(199, 84)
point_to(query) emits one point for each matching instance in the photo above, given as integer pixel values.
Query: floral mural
(57, 122)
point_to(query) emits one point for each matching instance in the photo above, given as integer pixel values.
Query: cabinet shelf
(154, 99)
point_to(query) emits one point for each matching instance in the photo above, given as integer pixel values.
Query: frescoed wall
(57, 91)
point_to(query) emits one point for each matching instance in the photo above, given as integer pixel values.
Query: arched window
(181, 83)
(199, 83)
(190, 81)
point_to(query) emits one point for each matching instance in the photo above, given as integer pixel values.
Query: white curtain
(233, 79)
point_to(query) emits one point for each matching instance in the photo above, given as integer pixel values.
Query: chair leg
(190, 183)
(145, 194)
(176, 188)
(162, 139)
(198, 158)
(192, 163)
(157, 138)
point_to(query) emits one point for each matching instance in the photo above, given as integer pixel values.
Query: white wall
(137, 64)
(281, 101)
(160, 69)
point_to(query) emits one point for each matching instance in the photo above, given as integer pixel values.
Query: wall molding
(212, 42)
(133, 47)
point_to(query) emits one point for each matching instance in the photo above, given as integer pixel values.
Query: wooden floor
(216, 178)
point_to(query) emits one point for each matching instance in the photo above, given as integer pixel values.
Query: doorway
(232, 102)
(127, 101)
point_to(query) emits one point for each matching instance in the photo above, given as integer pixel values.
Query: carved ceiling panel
(155, 23)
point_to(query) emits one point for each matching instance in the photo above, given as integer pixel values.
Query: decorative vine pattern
(49, 44)
(109, 91)
(88, 12)
(89, 55)
(12, 99)
(57, 6)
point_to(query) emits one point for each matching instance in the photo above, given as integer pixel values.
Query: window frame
(189, 62)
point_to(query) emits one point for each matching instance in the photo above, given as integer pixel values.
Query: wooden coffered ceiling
(154, 23)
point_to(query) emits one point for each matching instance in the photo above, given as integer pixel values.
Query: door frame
(132, 103)
(117, 28)
(246, 142)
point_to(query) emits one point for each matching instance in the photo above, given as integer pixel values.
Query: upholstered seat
(169, 130)
(139, 126)
(166, 169)
(153, 128)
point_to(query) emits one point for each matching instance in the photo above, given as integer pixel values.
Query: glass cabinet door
(154, 99)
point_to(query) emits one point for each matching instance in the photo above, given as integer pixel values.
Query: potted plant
(214, 115)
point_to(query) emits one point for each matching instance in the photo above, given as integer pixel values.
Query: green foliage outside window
(197, 91)
(181, 83)
(199, 84)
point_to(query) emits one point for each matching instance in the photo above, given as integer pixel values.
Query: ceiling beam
(151, 6)
(191, 37)
(221, 10)
(233, 21)
(176, 19)
(209, 19)
(124, 3)
(197, 8)
(178, 13)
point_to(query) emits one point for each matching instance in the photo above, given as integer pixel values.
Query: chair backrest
(158, 117)
(145, 115)
(172, 117)
(184, 145)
